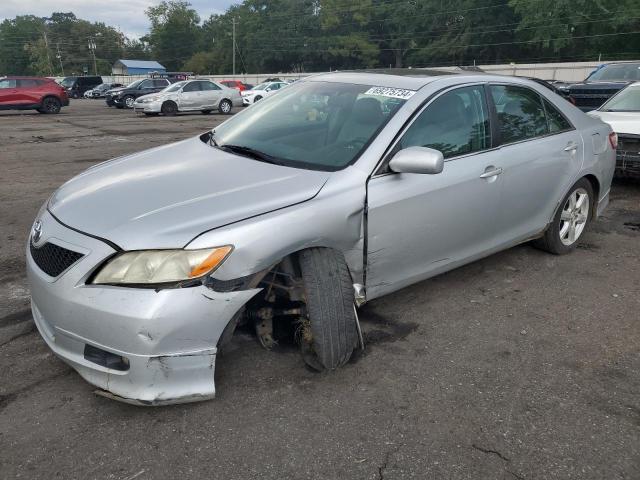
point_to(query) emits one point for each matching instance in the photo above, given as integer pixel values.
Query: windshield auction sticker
(391, 92)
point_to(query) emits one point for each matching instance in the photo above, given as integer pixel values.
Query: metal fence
(567, 71)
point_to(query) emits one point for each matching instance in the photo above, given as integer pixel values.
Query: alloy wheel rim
(225, 107)
(129, 101)
(574, 216)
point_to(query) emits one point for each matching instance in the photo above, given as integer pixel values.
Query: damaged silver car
(339, 189)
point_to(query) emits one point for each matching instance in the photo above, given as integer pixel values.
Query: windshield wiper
(212, 140)
(251, 153)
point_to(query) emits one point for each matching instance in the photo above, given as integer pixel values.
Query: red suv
(25, 93)
(237, 84)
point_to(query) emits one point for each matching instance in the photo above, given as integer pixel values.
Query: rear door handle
(492, 172)
(571, 147)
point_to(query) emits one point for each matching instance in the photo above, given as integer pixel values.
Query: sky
(128, 15)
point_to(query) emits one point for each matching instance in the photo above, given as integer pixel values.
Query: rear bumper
(166, 340)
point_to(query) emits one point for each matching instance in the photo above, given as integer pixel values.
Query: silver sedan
(337, 190)
(188, 96)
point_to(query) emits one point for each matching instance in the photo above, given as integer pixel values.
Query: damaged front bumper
(143, 346)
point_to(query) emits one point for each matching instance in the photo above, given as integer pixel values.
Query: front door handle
(571, 147)
(491, 172)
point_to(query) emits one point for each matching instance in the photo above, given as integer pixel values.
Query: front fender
(332, 219)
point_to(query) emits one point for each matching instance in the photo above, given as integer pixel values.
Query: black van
(76, 86)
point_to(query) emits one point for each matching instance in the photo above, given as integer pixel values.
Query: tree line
(318, 35)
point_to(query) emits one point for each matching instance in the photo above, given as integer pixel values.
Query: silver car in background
(188, 96)
(339, 189)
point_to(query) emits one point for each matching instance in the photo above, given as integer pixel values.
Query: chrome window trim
(549, 134)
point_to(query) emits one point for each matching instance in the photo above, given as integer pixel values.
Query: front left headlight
(149, 267)
(148, 100)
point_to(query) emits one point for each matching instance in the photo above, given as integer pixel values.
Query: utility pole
(46, 45)
(92, 47)
(59, 57)
(233, 23)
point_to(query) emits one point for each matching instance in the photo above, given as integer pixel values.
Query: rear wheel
(330, 334)
(50, 105)
(225, 107)
(570, 220)
(169, 108)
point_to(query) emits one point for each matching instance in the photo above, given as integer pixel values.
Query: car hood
(621, 122)
(253, 92)
(116, 90)
(166, 196)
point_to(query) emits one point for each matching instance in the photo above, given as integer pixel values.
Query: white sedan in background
(261, 91)
(189, 96)
(622, 112)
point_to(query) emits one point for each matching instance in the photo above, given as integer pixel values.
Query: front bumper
(247, 101)
(152, 107)
(167, 339)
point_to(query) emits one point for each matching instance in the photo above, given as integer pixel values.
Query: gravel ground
(520, 366)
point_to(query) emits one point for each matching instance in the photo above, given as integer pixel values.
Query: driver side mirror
(417, 160)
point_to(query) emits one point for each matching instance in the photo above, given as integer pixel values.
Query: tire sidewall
(50, 100)
(169, 108)
(221, 109)
(553, 234)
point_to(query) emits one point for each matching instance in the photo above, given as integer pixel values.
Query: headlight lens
(148, 100)
(161, 266)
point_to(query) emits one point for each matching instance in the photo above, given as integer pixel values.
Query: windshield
(628, 100)
(621, 72)
(68, 82)
(312, 125)
(174, 87)
(134, 84)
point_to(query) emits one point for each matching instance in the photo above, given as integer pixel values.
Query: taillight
(613, 140)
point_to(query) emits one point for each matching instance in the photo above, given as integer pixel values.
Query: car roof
(24, 77)
(410, 78)
(414, 78)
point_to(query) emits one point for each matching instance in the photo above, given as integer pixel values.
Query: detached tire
(570, 221)
(330, 307)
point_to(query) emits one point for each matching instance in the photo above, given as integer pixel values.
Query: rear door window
(520, 111)
(160, 83)
(556, 120)
(27, 83)
(210, 86)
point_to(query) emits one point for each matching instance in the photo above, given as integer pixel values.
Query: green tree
(175, 33)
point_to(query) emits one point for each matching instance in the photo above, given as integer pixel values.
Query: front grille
(53, 259)
(628, 155)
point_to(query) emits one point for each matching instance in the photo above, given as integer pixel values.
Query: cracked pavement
(522, 365)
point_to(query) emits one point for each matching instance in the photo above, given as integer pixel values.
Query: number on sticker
(390, 92)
